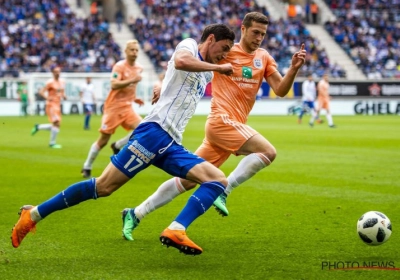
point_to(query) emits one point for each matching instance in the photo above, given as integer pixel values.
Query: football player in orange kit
(55, 89)
(226, 130)
(323, 101)
(118, 111)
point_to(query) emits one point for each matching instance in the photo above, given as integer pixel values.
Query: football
(374, 228)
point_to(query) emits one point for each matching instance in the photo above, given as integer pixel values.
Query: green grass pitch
(296, 219)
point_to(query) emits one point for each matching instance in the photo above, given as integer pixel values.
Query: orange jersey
(123, 98)
(323, 89)
(55, 91)
(235, 95)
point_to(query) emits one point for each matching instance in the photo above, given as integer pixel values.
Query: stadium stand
(166, 23)
(34, 35)
(37, 34)
(369, 32)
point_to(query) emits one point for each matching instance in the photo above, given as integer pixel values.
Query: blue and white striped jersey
(181, 91)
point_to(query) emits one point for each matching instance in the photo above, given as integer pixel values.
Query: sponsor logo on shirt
(247, 72)
(141, 152)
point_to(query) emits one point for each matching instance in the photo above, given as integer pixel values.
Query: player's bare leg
(259, 153)
(93, 153)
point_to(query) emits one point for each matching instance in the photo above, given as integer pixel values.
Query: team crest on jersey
(209, 76)
(247, 72)
(257, 63)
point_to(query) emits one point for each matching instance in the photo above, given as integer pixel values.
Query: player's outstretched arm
(299, 58)
(117, 82)
(281, 86)
(185, 61)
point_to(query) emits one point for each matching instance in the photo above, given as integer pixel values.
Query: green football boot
(220, 205)
(55, 146)
(129, 223)
(34, 129)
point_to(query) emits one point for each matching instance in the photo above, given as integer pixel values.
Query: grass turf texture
(285, 223)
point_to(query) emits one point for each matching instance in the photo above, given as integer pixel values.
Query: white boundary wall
(11, 107)
(261, 107)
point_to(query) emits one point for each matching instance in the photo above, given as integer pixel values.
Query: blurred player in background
(22, 91)
(88, 99)
(158, 141)
(309, 94)
(118, 110)
(55, 89)
(323, 101)
(117, 145)
(226, 129)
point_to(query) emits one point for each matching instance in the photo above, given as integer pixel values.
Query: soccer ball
(374, 228)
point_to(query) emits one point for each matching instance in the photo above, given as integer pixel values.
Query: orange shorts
(323, 103)
(113, 118)
(223, 138)
(53, 112)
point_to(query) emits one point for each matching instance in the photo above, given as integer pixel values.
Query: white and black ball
(374, 228)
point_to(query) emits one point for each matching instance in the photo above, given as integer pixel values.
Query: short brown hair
(254, 16)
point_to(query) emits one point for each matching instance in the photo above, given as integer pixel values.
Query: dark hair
(220, 31)
(254, 16)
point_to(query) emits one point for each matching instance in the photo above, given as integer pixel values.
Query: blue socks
(87, 120)
(301, 114)
(199, 202)
(73, 195)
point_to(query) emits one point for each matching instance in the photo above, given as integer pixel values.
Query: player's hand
(139, 101)
(225, 69)
(299, 58)
(156, 94)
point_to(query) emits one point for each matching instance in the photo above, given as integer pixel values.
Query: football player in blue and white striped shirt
(158, 141)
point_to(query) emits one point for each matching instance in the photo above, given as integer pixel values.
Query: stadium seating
(168, 22)
(38, 34)
(369, 32)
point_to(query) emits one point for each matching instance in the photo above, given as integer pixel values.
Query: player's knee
(188, 185)
(272, 155)
(224, 182)
(220, 177)
(104, 187)
(269, 154)
(103, 191)
(102, 143)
